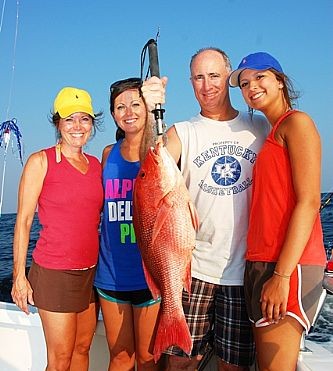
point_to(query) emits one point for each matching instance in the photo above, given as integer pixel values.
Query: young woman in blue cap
(285, 253)
(65, 184)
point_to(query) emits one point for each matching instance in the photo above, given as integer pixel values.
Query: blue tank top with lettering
(119, 265)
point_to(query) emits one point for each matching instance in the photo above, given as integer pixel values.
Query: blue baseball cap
(256, 61)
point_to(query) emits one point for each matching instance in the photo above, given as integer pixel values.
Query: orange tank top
(273, 200)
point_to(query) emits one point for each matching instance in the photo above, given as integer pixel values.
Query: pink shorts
(305, 292)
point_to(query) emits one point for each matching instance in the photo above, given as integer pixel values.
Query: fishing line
(13, 62)
(9, 124)
(143, 57)
(2, 14)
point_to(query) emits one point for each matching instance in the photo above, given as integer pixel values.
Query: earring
(58, 151)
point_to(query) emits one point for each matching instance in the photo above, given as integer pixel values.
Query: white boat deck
(22, 346)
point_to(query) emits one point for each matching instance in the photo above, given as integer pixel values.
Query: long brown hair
(116, 89)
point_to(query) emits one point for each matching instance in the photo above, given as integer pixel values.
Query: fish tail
(170, 332)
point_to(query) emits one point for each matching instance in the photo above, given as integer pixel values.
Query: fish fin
(155, 291)
(163, 213)
(172, 331)
(194, 216)
(188, 279)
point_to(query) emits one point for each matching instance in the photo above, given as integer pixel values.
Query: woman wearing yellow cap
(65, 184)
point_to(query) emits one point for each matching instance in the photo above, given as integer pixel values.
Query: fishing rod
(326, 200)
(9, 127)
(154, 70)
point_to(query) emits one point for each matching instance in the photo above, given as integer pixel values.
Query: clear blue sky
(90, 44)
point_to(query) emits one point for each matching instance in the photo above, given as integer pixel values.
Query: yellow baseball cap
(70, 100)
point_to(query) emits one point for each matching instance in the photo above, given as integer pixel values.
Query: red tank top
(273, 200)
(69, 212)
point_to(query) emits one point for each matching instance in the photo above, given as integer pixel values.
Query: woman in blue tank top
(129, 311)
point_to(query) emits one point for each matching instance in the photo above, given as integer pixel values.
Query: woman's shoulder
(297, 119)
(298, 114)
(106, 151)
(299, 124)
(36, 163)
(38, 157)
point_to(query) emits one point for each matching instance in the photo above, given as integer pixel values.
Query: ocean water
(322, 332)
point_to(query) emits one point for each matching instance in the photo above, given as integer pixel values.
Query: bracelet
(281, 275)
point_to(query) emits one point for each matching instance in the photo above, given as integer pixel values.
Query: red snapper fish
(165, 221)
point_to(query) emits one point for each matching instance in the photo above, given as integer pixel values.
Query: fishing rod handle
(153, 58)
(155, 71)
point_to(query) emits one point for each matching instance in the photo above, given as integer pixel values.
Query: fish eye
(142, 174)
